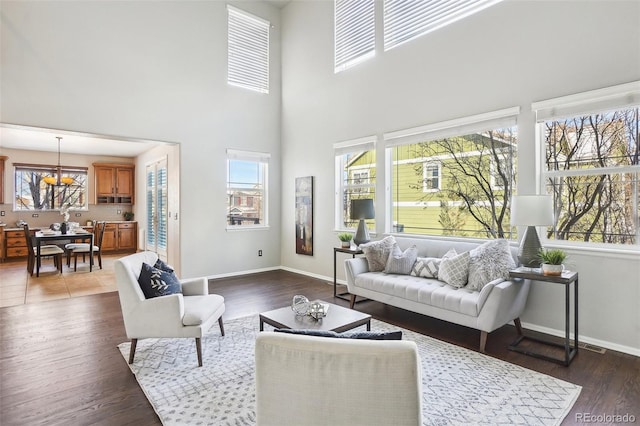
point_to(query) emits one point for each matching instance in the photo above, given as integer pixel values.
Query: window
(441, 176)
(355, 178)
(354, 32)
(248, 51)
(247, 183)
(591, 155)
(405, 20)
(33, 193)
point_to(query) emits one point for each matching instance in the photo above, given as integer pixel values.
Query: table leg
(37, 257)
(261, 325)
(91, 253)
(567, 323)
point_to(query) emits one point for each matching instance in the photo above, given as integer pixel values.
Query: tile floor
(17, 287)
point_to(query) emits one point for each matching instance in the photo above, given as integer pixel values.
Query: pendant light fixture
(58, 180)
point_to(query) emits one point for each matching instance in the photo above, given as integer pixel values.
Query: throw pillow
(427, 267)
(377, 253)
(455, 270)
(400, 262)
(155, 282)
(163, 266)
(488, 262)
(370, 335)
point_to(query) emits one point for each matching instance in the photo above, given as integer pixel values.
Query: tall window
(405, 20)
(247, 202)
(454, 178)
(248, 51)
(33, 193)
(355, 178)
(157, 207)
(355, 32)
(592, 164)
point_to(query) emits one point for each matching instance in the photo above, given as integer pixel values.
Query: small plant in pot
(128, 215)
(551, 261)
(345, 237)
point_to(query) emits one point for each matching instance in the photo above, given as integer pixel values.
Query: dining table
(50, 236)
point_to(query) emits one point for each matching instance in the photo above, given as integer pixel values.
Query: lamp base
(362, 234)
(529, 248)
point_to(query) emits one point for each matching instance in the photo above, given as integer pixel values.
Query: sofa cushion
(455, 270)
(369, 335)
(198, 309)
(155, 282)
(400, 262)
(377, 253)
(427, 291)
(488, 262)
(427, 267)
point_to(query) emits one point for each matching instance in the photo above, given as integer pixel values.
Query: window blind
(354, 32)
(405, 20)
(248, 51)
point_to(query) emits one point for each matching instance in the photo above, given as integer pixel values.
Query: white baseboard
(584, 339)
(244, 272)
(308, 274)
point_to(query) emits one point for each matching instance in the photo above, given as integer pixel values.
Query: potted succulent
(551, 261)
(345, 237)
(128, 215)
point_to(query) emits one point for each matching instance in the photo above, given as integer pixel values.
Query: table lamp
(531, 211)
(362, 209)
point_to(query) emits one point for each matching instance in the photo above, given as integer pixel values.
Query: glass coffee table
(338, 319)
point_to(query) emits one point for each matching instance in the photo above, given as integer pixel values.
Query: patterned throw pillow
(377, 253)
(155, 282)
(488, 262)
(455, 270)
(427, 267)
(163, 266)
(400, 262)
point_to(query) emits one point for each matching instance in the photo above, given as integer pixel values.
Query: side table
(353, 251)
(565, 279)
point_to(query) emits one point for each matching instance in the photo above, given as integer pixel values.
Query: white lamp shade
(532, 210)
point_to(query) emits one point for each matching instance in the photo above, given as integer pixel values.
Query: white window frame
(406, 20)
(263, 159)
(449, 128)
(426, 177)
(367, 143)
(354, 32)
(610, 98)
(248, 50)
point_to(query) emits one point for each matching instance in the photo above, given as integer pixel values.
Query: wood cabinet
(120, 236)
(114, 183)
(15, 244)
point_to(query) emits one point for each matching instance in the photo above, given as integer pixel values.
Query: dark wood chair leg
(100, 259)
(221, 326)
(483, 340)
(352, 302)
(518, 326)
(199, 351)
(132, 351)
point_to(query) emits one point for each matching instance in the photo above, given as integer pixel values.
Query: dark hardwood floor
(59, 364)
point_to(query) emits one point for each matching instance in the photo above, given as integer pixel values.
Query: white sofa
(498, 303)
(314, 381)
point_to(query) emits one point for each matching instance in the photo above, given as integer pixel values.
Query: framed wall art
(304, 215)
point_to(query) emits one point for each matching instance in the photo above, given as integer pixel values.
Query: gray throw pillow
(427, 267)
(488, 262)
(400, 262)
(455, 270)
(369, 335)
(377, 253)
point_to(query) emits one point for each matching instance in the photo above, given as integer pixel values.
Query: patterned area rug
(460, 386)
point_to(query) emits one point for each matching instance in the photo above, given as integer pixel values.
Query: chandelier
(58, 180)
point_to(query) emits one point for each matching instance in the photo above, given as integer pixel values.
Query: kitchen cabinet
(14, 243)
(114, 183)
(120, 236)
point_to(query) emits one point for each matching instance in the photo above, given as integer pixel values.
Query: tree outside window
(33, 193)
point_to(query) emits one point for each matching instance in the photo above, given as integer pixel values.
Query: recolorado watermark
(605, 418)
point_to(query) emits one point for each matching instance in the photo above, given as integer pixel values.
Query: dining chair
(45, 251)
(74, 249)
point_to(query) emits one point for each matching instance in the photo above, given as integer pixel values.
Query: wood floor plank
(59, 363)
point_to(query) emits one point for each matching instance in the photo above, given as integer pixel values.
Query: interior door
(157, 200)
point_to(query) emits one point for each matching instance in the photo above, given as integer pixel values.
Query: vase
(64, 227)
(346, 244)
(553, 270)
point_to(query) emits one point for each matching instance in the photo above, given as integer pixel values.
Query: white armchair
(331, 381)
(187, 314)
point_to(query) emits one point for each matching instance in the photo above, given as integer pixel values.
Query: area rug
(460, 387)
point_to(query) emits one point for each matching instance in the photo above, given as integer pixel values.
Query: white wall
(157, 71)
(512, 54)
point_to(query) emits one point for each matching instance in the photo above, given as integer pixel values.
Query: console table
(565, 279)
(353, 251)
